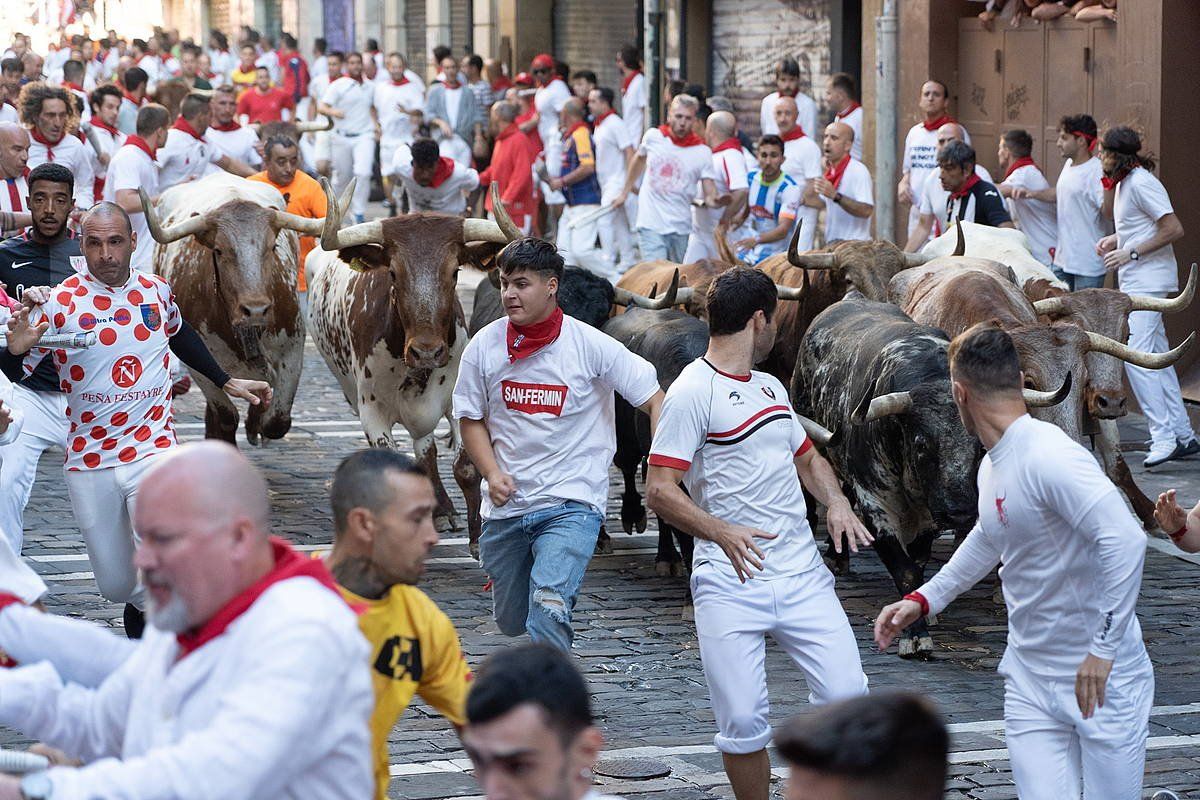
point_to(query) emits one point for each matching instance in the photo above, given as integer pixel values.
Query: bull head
(832, 260)
(871, 408)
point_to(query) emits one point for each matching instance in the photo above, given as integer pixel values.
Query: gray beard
(172, 618)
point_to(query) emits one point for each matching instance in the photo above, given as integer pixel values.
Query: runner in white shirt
(223, 62)
(1038, 219)
(634, 98)
(534, 399)
(802, 161)
(399, 106)
(102, 134)
(1078, 684)
(614, 151)
(841, 95)
(269, 59)
(1142, 254)
(729, 434)
(48, 111)
(350, 100)
(318, 145)
(674, 160)
(787, 84)
(187, 154)
(845, 190)
(432, 181)
(773, 202)
(934, 206)
(729, 178)
(551, 95)
(14, 191)
(920, 148)
(134, 167)
(239, 142)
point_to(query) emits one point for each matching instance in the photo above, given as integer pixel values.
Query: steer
(694, 278)
(386, 318)
(229, 250)
(882, 382)
(1006, 245)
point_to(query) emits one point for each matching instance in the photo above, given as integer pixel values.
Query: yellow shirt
(414, 650)
(304, 198)
(243, 80)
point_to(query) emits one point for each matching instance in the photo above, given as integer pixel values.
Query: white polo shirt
(611, 137)
(670, 181)
(110, 141)
(185, 157)
(549, 100)
(633, 107)
(235, 141)
(355, 99)
(551, 414)
(802, 159)
(857, 185)
(448, 196)
(392, 102)
(133, 168)
(1036, 218)
(1080, 223)
(1141, 201)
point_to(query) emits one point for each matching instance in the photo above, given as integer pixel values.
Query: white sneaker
(1164, 794)
(1159, 454)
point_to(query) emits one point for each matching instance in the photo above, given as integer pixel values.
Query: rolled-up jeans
(1077, 282)
(666, 246)
(536, 562)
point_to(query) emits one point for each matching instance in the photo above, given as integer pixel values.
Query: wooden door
(1105, 80)
(1067, 90)
(980, 87)
(1024, 89)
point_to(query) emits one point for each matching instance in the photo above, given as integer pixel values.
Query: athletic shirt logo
(534, 398)
(126, 371)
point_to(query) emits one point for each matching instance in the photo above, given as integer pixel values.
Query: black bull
(905, 460)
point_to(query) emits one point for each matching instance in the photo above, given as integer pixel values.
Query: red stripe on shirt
(14, 196)
(764, 412)
(804, 448)
(666, 461)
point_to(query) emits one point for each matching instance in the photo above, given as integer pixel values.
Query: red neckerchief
(70, 85)
(288, 564)
(36, 135)
(96, 122)
(628, 79)
(136, 141)
(1016, 165)
(601, 118)
(403, 80)
(1111, 183)
(834, 173)
(792, 135)
(443, 170)
(572, 130)
(732, 143)
(451, 84)
(691, 140)
(1091, 140)
(854, 106)
(525, 340)
(225, 127)
(182, 124)
(933, 125)
(135, 100)
(965, 188)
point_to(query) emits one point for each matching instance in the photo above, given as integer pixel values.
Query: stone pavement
(640, 656)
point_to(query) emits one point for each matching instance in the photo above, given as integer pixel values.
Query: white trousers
(616, 233)
(353, 157)
(1052, 747)
(1157, 390)
(577, 242)
(103, 502)
(700, 240)
(45, 426)
(800, 612)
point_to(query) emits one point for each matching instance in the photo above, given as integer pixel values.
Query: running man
(1077, 681)
(350, 100)
(729, 435)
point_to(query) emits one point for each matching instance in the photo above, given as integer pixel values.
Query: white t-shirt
(1037, 218)
(8, 113)
(854, 119)
(670, 181)
(238, 143)
(1141, 202)
(185, 157)
(1071, 553)
(633, 108)
(72, 154)
(802, 159)
(453, 99)
(549, 100)
(392, 102)
(109, 144)
(455, 147)
(729, 169)
(806, 116)
(270, 60)
(153, 67)
(1079, 199)
(610, 138)
(551, 414)
(132, 168)
(14, 194)
(920, 156)
(935, 200)
(857, 185)
(355, 99)
(447, 197)
(735, 438)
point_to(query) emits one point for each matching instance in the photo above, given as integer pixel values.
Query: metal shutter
(749, 36)
(588, 36)
(460, 26)
(417, 54)
(338, 24)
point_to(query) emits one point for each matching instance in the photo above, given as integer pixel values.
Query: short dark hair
(1126, 143)
(844, 81)
(890, 746)
(1019, 142)
(372, 44)
(532, 254)
(537, 674)
(96, 98)
(476, 61)
(320, 45)
(1075, 124)
(787, 66)
(440, 52)
(945, 88)
(72, 69)
(349, 53)
(631, 57)
(585, 75)
(220, 38)
(771, 139)
(135, 78)
(193, 105)
(957, 153)
(151, 117)
(735, 295)
(340, 55)
(606, 94)
(358, 482)
(11, 66)
(51, 172)
(425, 153)
(278, 140)
(288, 40)
(985, 357)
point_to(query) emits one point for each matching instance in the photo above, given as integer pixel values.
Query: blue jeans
(536, 563)
(666, 246)
(1077, 282)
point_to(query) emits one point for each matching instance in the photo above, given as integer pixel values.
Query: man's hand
(841, 521)
(745, 244)
(1168, 513)
(824, 187)
(1106, 244)
(35, 296)
(5, 418)
(904, 191)
(253, 392)
(1004, 189)
(738, 543)
(22, 336)
(620, 199)
(893, 619)
(1089, 684)
(555, 183)
(1115, 259)
(500, 488)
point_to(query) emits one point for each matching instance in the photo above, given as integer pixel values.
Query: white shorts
(1052, 747)
(324, 146)
(45, 426)
(800, 612)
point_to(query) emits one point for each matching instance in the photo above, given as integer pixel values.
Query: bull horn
(724, 251)
(807, 260)
(482, 230)
(820, 435)
(333, 237)
(1050, 306)
(1167, 305)
(624, 297)
(189, 227)
(314, 125)
(511, 231)
(960, 246)
(917, 259)
(1139, 358)
(201, 92)
(1036, 399)
(789, 292)
(305, 225)
(885, 405)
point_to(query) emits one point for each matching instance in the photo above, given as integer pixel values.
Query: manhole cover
(636, 769)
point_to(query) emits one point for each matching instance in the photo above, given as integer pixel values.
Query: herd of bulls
(862, 337)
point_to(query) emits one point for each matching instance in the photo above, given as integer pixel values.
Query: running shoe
(1190, 448)
(1160, 454)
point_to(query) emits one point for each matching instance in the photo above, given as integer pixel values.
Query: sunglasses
(541, 69)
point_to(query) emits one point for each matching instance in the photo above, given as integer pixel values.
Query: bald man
(729, 164)
(802, 161)
(932, 204)
(845, 188)
(14, 196)
(253, 661)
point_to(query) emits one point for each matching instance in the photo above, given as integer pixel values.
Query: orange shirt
(305, 198)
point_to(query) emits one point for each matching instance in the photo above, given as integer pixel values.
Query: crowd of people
(344, 642)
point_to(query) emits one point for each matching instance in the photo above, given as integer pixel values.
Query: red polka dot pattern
(127, 454)
(108, 444)
(63, 298)
(108, 336)
(156, 413)
(78, 444)
(86, 417)
(162, 442)
(91, 460)
(60, 320)
(141, 333)
(76, 372)
(99, 432)
(142, 434)
(102, 303)
(120, 418)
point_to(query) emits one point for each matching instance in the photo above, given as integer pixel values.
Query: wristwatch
(36, 786)
(1133, 254)
(837, 198)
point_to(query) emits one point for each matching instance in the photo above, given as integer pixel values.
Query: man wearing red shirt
(511, 167)
(293, 70)
(265, 103)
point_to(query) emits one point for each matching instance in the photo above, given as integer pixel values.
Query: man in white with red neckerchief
(226, 134)
(841, 95)
(49, 113)
(118, 391)
(845, 189)
(728, 433)
(919, 163)
(802, 161)
(187, 153)
(551, 95)
(729, 166)
(236, 616)
(134, 168)
(534, 399)
(1037, 218)
(102, 134)
(14, 191)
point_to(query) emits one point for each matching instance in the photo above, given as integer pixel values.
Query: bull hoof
(931, 619)
(641, 523)
(907, 648)
(837, 565)
(604, 546)
(925, 646)
(664, 569)
(998, 594)
(678, 569)
(689, 611)
(445, 523)
(473, 546)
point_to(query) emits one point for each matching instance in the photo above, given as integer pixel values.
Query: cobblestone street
(641, 657)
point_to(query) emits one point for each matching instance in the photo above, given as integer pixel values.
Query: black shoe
(1154, 461)
(1190, 448)
(135, 621)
